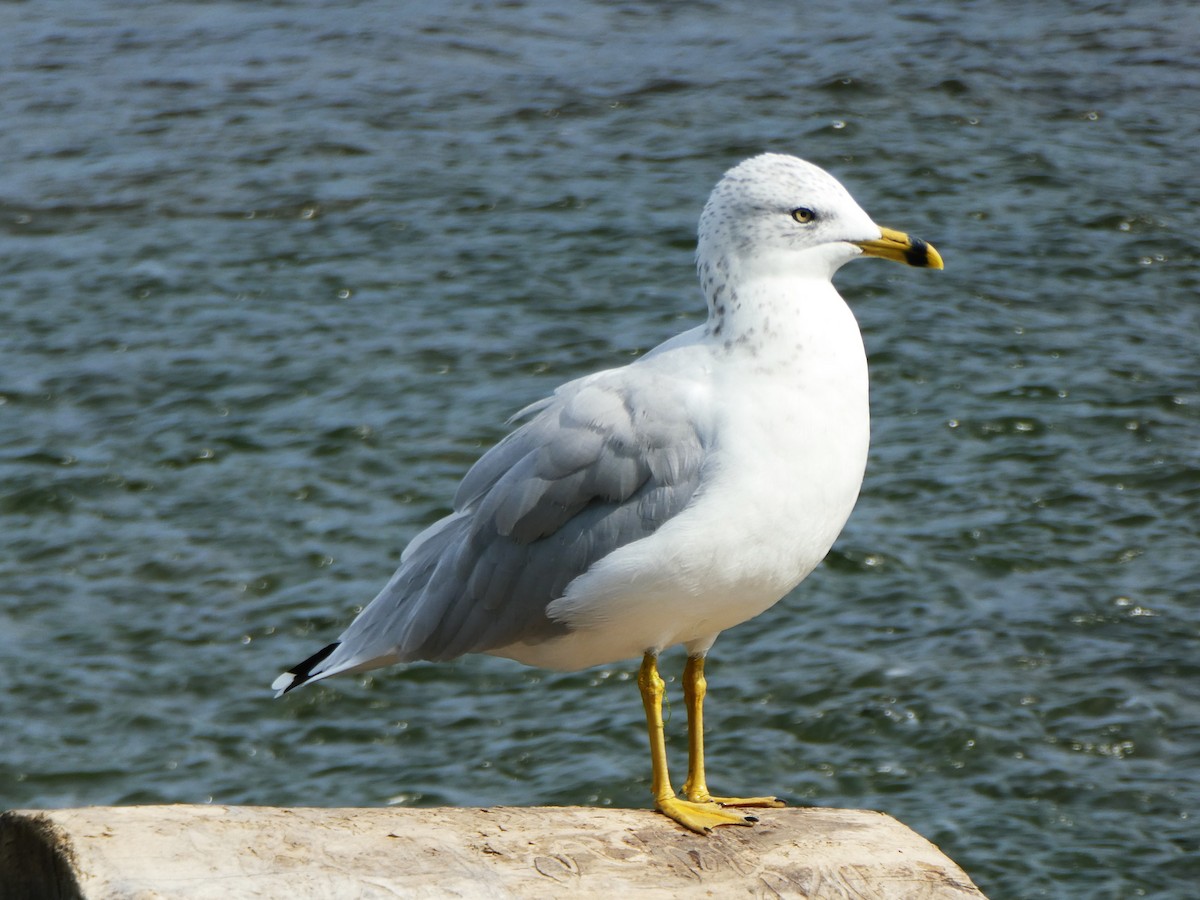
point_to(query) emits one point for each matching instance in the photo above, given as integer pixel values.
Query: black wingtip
(302, 673)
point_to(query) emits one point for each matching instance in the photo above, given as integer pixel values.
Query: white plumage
(665, 501)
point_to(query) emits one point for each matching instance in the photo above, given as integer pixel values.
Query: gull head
(776, 215)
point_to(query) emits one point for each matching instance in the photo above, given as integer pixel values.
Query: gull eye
(803, 215)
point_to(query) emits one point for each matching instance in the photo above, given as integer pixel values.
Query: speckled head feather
(749, 223)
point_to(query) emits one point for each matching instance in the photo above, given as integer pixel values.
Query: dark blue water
(273, 275)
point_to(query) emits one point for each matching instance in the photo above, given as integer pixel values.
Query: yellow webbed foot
(756, 802)
(701, 818)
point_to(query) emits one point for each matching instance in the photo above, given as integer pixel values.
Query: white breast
(791, 429)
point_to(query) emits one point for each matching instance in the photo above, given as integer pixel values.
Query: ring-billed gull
(662, 502)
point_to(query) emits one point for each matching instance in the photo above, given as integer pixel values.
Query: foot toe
(757, 802)
(702, 817)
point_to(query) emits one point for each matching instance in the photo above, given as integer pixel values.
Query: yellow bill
(899, 246)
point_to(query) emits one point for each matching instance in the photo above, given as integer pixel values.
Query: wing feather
(604, 462)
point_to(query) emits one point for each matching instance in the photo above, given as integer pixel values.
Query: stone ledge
(202, 852)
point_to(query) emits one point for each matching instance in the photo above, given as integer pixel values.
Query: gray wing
(606, 461)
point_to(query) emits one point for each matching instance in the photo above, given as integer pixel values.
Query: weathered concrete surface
(201, 852)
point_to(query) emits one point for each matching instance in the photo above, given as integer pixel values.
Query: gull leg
(695, 788)
(699, 816)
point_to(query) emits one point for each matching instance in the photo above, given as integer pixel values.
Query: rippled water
(273, 275)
